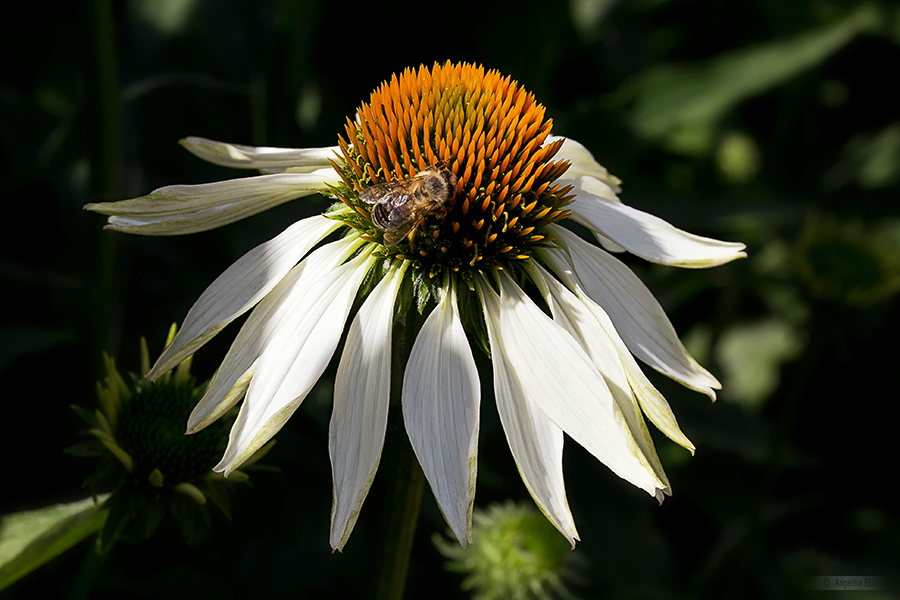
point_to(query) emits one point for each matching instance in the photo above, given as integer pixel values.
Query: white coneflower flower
(463, 252)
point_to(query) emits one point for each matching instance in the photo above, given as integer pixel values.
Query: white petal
(583, 162)
(233, 377)
(295, 357)
(595, 206)
(362, 390)
(241, 286)
(576, 317)
(652, 402)
(608, 244)
(302, 160)
(560, 379)
(637, 316)
(535, 441)
(441, 398)
(181, 209)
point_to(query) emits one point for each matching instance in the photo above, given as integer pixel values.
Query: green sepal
(85, 415)
(123, 505)
(106, 475)
(472, 317)
(403, 303)
(371, 279)
(85, 450)
(220, 496)
(423, 291)
(186, 510)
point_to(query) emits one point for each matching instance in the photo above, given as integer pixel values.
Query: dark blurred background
(768, 122)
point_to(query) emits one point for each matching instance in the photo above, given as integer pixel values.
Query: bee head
(443, 186)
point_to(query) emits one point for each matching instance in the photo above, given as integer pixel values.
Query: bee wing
(374, 194)
(393, 211)
(395, 236)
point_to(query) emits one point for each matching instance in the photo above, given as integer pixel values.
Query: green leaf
(871, 161)
(672, 100)
(751, 355)
(31, 538)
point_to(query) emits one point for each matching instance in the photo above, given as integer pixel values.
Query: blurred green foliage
(31, 538)
(749, 121)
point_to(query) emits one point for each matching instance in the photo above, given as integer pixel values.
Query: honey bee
(400, 206)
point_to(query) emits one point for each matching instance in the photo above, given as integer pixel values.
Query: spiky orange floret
(485, 128)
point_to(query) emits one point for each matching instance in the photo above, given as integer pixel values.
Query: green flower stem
(87, 575)
(104, 113)
(404, 477)
(406, 481)
(104, 93)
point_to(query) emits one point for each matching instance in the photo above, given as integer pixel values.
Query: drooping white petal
(362, 390)
(596, 207)
(651, 401)
(558, 376)
(238, 156)
(637, 316)
(535, 441)
(578, 318)
(441, 398)
(181, 209)
(295, 357)
(241, 286)
(583, 162)
(234, 374)
(175, 200)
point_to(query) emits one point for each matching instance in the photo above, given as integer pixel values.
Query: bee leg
(411, 236)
